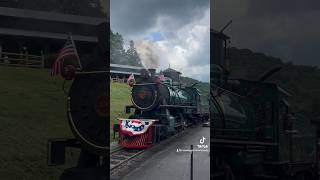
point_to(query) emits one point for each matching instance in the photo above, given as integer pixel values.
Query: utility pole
(191, 165)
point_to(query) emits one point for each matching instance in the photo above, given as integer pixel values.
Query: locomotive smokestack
(152, 72)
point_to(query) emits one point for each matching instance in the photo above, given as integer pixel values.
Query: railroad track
(121, 156)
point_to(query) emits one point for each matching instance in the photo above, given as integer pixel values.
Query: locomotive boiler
(162, 100)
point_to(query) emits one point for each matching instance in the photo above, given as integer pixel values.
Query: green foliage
(132, 55)
(117, 51)
(118, 54)
(120, 96)
(203, 87)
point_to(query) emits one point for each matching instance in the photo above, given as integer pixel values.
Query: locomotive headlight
(102, 106)
(144, 96)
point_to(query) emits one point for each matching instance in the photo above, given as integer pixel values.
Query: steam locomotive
(253, 135)
(162, 102)
(88, 114)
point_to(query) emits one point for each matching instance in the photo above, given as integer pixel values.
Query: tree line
(119, 54)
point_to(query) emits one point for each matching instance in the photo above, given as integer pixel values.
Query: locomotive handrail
(243, 130)
(141, 84)
(220, 111)
(243, 142)
(139, 119)
(91, 72)
(178, 106)
(227, 91)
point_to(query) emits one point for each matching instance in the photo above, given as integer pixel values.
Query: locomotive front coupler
(56, 150)
(128, 109)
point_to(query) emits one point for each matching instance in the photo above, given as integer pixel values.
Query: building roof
(126, 66)
(125, 69)
(50, 35)
(49, 25)
(50, 16)
(171, 70)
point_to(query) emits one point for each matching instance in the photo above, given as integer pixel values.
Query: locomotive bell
(144, 73)
(152, 72)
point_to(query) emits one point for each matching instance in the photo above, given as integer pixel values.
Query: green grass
(32, 110)
(119, 97)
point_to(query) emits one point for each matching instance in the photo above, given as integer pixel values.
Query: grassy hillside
(203, 87)
(303, 82)
(119, 98)
(32, 109)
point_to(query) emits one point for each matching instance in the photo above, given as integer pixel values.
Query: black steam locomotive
(252, 135)
(88, 115)
(163, 102)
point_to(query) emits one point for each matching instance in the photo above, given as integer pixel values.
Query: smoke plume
(148, 54)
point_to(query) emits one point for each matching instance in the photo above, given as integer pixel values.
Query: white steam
(148, 53)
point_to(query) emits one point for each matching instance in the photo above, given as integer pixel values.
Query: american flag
(161, 77)
(69, 49)
(131, 80)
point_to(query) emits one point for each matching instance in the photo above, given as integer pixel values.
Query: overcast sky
(177, 29)
(289, 29)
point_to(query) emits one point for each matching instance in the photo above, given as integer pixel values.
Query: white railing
(21, 60)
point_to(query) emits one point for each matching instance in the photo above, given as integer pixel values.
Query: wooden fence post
(42, 59)
(27, 56)
(191, 163)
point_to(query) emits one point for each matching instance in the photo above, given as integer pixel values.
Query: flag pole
(78, 58)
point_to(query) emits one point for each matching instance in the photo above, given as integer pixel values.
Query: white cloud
(189, 51)
(185, 36)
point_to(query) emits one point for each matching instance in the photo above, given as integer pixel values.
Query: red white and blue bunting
(135, 126)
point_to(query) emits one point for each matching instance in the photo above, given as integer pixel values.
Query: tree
(117, 51)
(132, 55)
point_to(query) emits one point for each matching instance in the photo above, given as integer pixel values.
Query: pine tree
(133, 56)
(117, 51)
